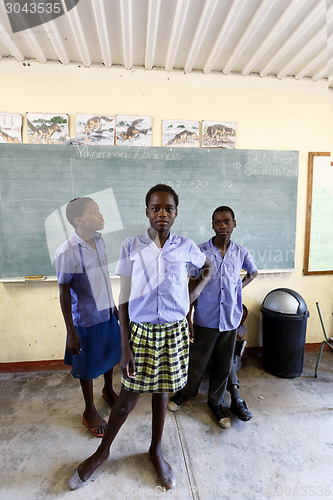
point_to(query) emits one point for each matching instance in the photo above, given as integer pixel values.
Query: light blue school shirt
(159, 285)
(220, 303)
(86, 270)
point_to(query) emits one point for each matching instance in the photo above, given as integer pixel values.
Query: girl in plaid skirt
(153, 305)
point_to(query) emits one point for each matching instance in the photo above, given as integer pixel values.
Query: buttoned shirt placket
(221, 262)
(159, 274)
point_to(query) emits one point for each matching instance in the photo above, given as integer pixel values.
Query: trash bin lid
(284, 300)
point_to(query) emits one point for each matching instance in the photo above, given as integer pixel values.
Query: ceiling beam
(30, 39)
(154, 7)
(176, 32)
(329, 29)
(56, 40)
(321, 73)
(301, 31)
(12, 48)
(315, 43)
(31, 42)
(253, 26)
(273, 35)
(102, 31)
(225, 31)
(76, 26)
(126, 21)
(318, 60)
(200, 33)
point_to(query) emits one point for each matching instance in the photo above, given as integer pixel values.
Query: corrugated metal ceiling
(264, 37)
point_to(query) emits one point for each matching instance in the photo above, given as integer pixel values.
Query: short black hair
(223, 208)
(75, 208)
(162, 188)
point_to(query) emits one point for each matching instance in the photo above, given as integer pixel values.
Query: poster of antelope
(218, 134)
(47, 128)
(95, 129)
(181, 133)
(10, 128)
(133, 130)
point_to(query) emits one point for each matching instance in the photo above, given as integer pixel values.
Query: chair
(327, 341)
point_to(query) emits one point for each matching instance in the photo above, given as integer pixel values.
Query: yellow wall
(270, 114)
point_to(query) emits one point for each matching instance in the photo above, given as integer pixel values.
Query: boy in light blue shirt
(217, 315)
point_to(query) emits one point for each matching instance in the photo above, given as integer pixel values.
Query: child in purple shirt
(153, 305)
(93, 338)
(217, 314)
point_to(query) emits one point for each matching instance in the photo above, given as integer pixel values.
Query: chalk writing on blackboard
(36, 183)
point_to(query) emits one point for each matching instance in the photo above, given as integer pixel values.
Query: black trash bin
(284, 318)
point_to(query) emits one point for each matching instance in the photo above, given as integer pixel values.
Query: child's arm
(115, 312)
(127, 363)
(73, 345)
(248, 278)
(190, 324)
(196, 285)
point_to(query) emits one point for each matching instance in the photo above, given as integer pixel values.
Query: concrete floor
(285, 451)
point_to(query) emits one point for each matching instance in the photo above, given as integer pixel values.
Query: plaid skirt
(161, 357)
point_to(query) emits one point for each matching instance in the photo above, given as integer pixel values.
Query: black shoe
(221, 416)
(177, 401)
(239, 408)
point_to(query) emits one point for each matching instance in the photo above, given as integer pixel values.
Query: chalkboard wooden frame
(306, 270)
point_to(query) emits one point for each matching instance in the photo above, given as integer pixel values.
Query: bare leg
(163, 469)
(108, 391)
(90, 414)
(122, 408)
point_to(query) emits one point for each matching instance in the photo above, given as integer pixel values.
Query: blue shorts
(100, 350)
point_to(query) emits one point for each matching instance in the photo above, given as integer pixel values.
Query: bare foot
(164, 472)
(82, 473)
(88, 467)
(94, 423)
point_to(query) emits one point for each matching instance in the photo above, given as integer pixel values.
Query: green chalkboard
(318, 254)
(37, 181)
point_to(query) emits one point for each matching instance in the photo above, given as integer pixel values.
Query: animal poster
(181, 133)
(47, 128)
(133, 130)
(218, 135)
(95, 129)
(10, 128)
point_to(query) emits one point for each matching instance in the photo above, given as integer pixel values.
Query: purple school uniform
(158, 305)
(159, 290)
(219, 305)
(86, 270)
(218, 312)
